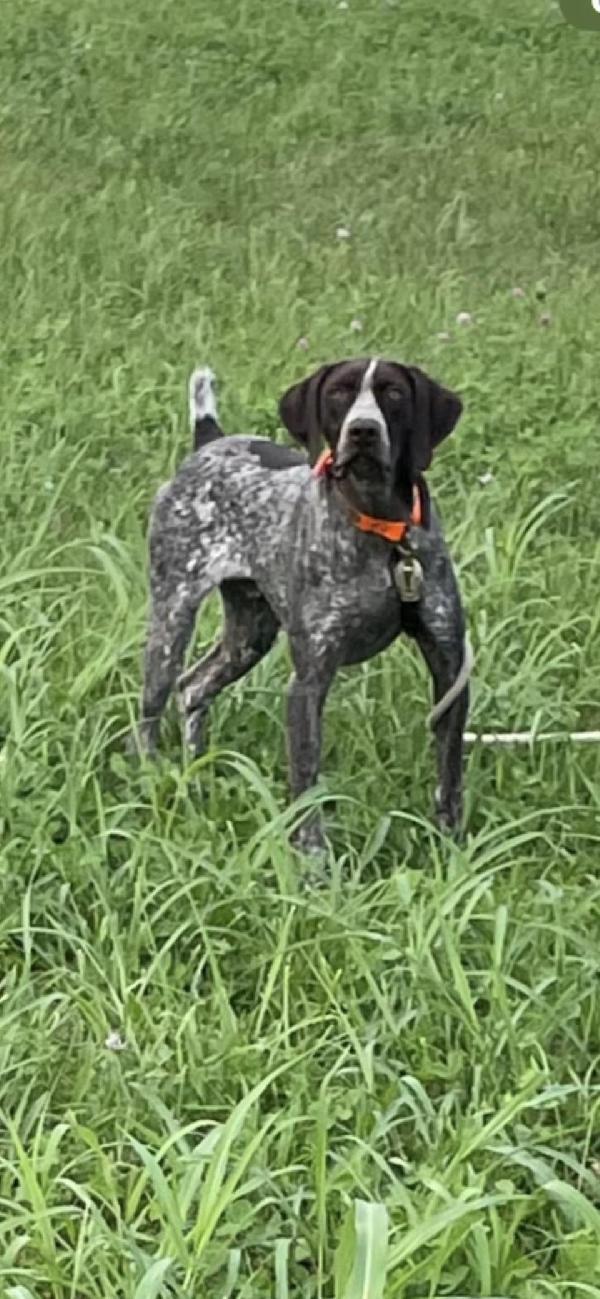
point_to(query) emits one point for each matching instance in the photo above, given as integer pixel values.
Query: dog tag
(408, 576)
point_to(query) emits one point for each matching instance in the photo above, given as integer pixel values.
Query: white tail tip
(202, 395)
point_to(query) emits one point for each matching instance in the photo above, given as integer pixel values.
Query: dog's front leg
(306, 697)
(437, 624)
(445, 659)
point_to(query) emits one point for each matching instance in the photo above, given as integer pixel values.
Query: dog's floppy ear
(437, 411)
(300, 411)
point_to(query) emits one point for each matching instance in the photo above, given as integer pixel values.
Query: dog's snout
(365, 428)
(363, 434)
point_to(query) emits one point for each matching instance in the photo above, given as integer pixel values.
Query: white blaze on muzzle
(365, 413)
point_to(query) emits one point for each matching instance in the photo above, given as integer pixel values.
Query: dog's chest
(341, 591)
(371, 623)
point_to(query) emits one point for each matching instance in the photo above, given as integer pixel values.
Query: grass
(215, 1081)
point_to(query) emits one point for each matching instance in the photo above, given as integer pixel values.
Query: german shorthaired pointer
(344, 553)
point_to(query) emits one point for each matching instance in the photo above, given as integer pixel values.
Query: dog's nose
(364, 429)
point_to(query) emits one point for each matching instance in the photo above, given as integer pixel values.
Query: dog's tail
(204, 421)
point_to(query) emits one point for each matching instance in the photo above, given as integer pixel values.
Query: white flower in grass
(486, 479)
(443, 336)
(517, 292)
(342, 232)
(302, 344)
(114, 1041)
(464, 318)
(356, 325)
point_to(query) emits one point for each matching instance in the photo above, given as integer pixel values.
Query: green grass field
(422, 1032)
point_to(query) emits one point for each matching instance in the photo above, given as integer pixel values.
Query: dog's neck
(371, 494)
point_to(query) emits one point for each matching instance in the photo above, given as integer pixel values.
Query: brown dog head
(378, 417)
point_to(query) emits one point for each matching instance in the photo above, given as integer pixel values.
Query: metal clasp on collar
(408, 577)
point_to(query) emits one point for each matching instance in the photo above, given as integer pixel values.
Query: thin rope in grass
(531, 737)
(505, 738)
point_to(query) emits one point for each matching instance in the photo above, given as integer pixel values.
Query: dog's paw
(193, 718)
(194, 734)
(450, 823)
(449, 814)
(309, 839)
(141, 742)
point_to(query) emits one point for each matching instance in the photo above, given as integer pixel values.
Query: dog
(342, 549)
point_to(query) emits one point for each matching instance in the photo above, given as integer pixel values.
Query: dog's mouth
(363, 451)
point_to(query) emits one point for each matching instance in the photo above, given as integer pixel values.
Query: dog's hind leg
(249, 630)
(170, 626)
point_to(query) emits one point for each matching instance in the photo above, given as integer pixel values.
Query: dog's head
(379, 418)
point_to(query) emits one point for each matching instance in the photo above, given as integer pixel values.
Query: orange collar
(391, 529)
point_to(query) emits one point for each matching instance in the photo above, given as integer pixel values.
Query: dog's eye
(395, 395)
(338, 398)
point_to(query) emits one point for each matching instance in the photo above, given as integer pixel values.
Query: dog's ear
(437, 411)
(300, 411)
